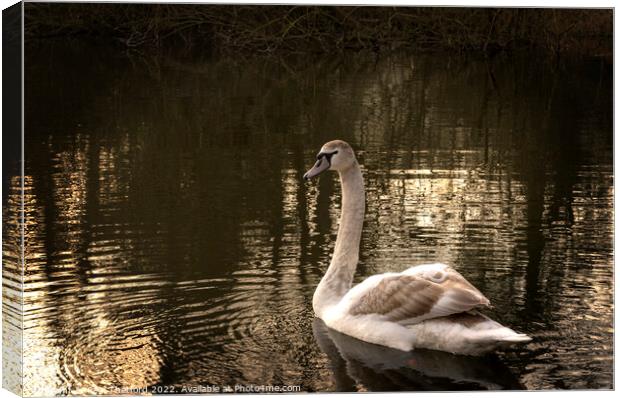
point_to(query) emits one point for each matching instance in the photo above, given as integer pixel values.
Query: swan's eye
(327, 155)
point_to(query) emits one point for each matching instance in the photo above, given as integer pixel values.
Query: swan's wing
(412, 297)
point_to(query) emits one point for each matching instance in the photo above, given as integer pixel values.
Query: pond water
(171, 242)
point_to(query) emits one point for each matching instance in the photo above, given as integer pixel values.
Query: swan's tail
(490, 332)
(469, 333)
(516, 338)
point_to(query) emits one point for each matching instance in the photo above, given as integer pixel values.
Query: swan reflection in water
(357, 365)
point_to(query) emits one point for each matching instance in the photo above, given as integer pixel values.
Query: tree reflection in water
(171, 240)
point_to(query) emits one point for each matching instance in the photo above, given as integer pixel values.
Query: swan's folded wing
(410, 299)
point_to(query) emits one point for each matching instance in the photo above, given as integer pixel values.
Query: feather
(416, 294)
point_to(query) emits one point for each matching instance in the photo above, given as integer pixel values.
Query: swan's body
(428, 306)
(380, 368)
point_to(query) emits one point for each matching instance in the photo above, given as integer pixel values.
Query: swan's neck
(339, 276)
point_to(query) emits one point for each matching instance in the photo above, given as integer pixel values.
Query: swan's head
(336, 155)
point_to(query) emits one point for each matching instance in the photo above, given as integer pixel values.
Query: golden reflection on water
(180, 247)
(12, 287)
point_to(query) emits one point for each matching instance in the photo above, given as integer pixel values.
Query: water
(171, 242)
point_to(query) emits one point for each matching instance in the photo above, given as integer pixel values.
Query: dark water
(170, 240)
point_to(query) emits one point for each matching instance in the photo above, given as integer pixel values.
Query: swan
(428, 306)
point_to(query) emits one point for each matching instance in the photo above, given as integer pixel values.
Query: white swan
(429, 306)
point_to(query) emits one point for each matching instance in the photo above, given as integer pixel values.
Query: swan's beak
(320, 166)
